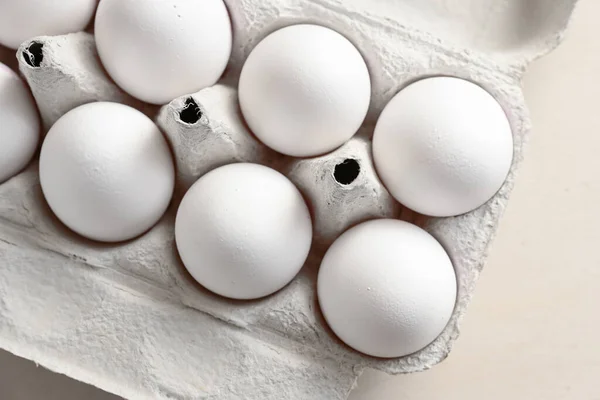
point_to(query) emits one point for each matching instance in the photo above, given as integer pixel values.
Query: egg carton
(129, 319)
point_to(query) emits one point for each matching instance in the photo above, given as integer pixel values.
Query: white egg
(304, 90)
(386, 288)
(19, 124)
(106, 171)
(243, 231)
(443, 146)
(159, 50)
(23, 19)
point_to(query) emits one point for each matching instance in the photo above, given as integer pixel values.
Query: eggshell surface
(443, 146)
(304, 90)
(19, 124)
(159, 50)
(24, 19)
(386, 288)
(243, 231)
(106, 171)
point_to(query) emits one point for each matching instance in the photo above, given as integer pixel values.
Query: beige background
(533, 329)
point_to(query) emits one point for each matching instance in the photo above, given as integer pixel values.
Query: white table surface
(533, 328)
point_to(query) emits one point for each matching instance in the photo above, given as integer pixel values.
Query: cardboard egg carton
(129, 319)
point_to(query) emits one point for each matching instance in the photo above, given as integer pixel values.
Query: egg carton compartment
(128, 317)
